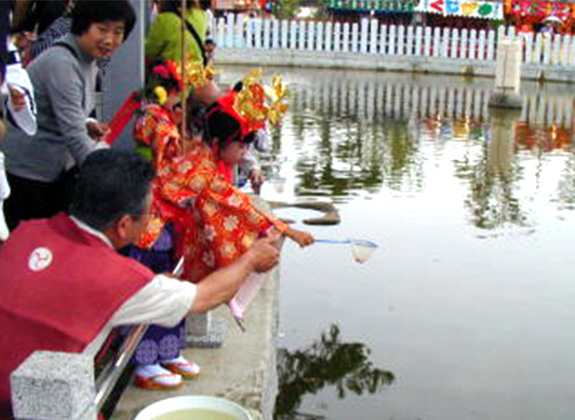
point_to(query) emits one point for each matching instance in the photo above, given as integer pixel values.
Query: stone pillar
(54, 386)
(507, 76)
(205, 331)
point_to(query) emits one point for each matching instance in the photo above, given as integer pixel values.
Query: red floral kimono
(215, 223)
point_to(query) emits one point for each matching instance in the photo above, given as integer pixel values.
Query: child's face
(234, 153)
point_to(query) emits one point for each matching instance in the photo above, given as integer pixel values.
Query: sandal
(181, 366)
(152, 382)
(157, 378)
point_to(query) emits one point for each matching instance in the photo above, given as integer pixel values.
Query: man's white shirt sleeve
(164, 301)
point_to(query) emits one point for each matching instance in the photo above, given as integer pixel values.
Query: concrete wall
(358, 61)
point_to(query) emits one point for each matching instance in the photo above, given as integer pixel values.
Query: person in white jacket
(19, 109)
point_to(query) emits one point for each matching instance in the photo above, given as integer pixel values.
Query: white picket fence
(369, 37)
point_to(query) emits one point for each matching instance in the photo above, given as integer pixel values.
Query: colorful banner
(543, 9)
(485, 9)
(399, 6)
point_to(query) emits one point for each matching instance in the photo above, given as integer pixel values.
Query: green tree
(287, 9)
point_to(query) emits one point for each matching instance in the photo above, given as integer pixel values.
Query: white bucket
(192, 407)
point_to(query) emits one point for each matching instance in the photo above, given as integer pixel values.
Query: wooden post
(183, 131)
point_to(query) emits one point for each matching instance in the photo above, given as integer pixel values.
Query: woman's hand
(302, 238)
(17, 97)
(96, 130)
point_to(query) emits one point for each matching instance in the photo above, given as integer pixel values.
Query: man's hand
(17, 97)
(263, 254)
(302, 238)
(97, 130)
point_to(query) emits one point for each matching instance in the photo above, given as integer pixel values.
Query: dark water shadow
(328, 362)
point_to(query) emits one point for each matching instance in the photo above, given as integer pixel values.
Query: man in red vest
(63, 286)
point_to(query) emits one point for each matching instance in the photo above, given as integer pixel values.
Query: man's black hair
(111, 184)
(88, 12)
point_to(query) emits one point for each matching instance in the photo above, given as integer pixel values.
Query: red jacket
(59, 286)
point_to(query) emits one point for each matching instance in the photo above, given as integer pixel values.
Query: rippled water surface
(467, 309)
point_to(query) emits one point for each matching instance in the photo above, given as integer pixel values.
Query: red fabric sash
(123, 116)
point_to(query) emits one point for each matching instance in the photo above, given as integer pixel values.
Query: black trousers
(31, 199)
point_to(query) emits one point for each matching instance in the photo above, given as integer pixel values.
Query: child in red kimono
(214, 221)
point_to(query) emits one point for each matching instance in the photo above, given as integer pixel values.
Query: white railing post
(419, 41)
(463, 45)
(328, 36)
(311, 36)
(538, 49)
(436, 42)
(266, 39)
(230, 41)
(528, 48)
(472, 51)
(454, 43)
(572, 52)
(383, 42)
(220, 31)
(501, 33)
(240, 41)
(302, 34)
(427, 42)
(364, 36)
(556, 50)
(481, 50)
(284, 31)
(565, 52)
(275, 33)
(345, 38)
(293, 35)
(354, 37)
(373, 32)
(392, 38)
(445, 43)
(337, 36)
(547, 46)
(490, 45)
(400, 40)
(511, 34)
(257, 33)
(319, 37)
(250, 33)
(409, 41)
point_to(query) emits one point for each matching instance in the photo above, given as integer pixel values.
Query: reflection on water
(354, 135)
(327, 362)
(474, 211)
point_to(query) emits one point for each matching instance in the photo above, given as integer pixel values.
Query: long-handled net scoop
(361, 249)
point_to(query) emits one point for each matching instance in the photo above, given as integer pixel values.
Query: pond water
(467, 308)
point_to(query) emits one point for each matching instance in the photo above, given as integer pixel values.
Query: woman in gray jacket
(64, 80)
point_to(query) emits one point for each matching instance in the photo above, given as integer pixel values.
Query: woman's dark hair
(222, 128)
(174, 6)
(206, 4)
(111, 184)
(88, 12)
